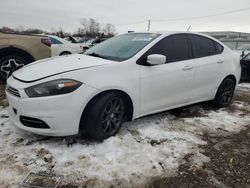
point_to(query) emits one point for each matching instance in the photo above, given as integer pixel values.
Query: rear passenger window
(54, 41)
(219, 48)
(174, 47)
(202, 46)
(57, 41)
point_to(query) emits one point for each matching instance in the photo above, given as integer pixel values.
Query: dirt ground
(228, 152)
(229, 164)
(3, 101)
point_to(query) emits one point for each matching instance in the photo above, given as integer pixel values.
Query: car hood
(56, 65)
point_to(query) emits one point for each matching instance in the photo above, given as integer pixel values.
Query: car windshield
(122, 47)
(82, 40)
(247, 57)
(90, 41)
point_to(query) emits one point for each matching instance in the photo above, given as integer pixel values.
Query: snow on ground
(143, 149)
(245, 85)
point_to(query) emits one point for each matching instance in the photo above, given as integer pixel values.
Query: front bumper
(62, 113)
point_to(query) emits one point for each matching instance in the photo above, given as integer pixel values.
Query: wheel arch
(217, 97)
(65, 51)
(231, 76)
(10, 50)
(85, 48)
(123, 94)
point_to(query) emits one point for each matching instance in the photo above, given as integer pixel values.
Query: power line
(186, 19)
(205, 16)
(133, 23)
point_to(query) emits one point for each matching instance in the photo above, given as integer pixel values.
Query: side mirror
(242, 54)
(156, 59)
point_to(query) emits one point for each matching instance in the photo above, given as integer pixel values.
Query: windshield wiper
(96, 55)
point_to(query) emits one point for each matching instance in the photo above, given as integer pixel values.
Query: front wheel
(225, 92)
(104, 117)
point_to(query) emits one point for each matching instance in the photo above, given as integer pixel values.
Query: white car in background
(123, 78)
(61, 46)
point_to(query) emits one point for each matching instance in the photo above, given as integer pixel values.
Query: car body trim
(30, 81)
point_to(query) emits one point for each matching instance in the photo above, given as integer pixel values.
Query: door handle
(220, 61)
(187, 67)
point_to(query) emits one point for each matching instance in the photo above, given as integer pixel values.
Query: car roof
(173, 32)
(166, 33)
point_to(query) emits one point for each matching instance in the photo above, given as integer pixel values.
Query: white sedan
(61, 46)
(123, 78)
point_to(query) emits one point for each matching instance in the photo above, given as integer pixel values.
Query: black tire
(84, 49)
(65, 53)
(225, 93)
(104, 116)
(9, 64)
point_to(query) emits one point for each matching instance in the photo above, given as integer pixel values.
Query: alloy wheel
(9, 66)
(112, 117)
(227, 92)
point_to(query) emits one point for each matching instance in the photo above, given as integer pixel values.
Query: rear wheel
(225, 92)
(65, 53)
(9, 64)
(104, 117)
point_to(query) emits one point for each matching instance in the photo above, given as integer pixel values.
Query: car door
(208, 66)
(56, 47)
(170, 84)
(245, 71)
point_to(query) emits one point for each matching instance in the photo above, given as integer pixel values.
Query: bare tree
(79, 32)
(84, 23)
(91, 27)
(33, 31)
(94, 26)
(109, 30)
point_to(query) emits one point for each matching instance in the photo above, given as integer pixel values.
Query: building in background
(234, 40)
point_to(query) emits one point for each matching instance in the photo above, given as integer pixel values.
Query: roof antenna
(188, 28)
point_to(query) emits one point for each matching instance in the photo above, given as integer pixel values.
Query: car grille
(13, 91)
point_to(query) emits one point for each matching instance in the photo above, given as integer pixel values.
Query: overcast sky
(128, 14)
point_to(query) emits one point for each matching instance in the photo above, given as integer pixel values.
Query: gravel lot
(196, 146)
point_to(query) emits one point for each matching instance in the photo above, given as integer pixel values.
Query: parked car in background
(18, 50)
(86, 43)
(83, 40)
(92, 42)
(243, 50)
(60, 46)
(76, 39)
(123, 78)
(245, 64)
(71, 39)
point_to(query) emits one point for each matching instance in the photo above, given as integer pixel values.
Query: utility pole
(149, 24)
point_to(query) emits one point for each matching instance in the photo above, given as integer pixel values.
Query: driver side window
(174, 47)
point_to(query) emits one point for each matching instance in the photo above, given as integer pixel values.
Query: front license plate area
(41, 180)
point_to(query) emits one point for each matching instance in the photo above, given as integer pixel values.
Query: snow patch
(147, 147)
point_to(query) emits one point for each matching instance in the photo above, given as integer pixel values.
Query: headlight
(55, 87)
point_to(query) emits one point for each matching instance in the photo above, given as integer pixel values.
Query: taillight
(46, 42)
